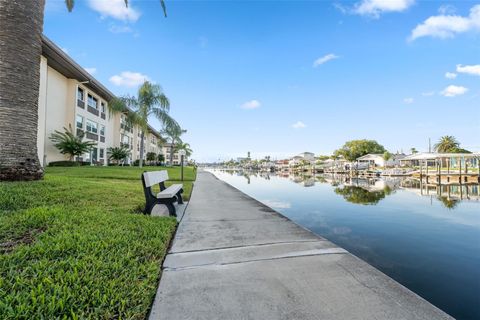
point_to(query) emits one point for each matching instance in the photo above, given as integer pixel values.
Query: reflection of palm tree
(359, 195)
(448, 202)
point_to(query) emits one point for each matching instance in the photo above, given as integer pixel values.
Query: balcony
(102, 115)
(92, 136)
(92, 110)
(102, 139)
(80, 104)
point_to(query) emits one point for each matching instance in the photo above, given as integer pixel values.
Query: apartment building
(72, 98)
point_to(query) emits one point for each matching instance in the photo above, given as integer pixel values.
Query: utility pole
(429, 146)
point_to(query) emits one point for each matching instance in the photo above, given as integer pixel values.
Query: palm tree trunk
(21, 24)
(171, 151)
(141, 149)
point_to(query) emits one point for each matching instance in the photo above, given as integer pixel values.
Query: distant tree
(151, 156)
(185, 147)
(161, 158)
(387, 156)
(446, 144)
(173, 132)
(70, 144)
(459, 150)
(354, 149)
(413, 150)
(117, 154)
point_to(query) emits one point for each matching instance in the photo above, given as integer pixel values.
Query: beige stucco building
(70, 97)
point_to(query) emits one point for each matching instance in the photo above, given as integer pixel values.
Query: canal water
(426, 238)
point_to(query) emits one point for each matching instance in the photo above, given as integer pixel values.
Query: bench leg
(171, 209)
(179, 198)
(148, 208)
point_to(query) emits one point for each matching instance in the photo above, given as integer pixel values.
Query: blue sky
(282, 77)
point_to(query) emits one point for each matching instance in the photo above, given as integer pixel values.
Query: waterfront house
(377, 160)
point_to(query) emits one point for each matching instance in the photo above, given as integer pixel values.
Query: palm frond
(70, 4)
(164, 7)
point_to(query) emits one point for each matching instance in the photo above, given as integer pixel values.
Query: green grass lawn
(74, 246)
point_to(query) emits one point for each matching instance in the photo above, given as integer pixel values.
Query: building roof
(63, 63)
(371, 156)
(434, 155)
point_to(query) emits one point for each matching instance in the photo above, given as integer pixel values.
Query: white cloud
(299, 125)
(447, 9)
(473, 69)
(408, 100)
(119, 29)
(446, 26)
(115, 9)
(324, 59)
(91, 70)
(375, 8)
(252, 104)
(450, 75)
(428, 93)
(129, 79)
(452, 91)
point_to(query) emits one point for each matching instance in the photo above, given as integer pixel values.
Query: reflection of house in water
(449, 191)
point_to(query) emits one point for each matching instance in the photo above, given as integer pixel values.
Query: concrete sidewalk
(235, 258)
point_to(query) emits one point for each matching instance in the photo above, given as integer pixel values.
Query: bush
(136, 163)
(64, 164)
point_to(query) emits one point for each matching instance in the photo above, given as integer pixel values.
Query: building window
(80, 94)
(102, 130)
(102, 107)
(79, 122)
(92, 102)
(101, 151)
(92, 126)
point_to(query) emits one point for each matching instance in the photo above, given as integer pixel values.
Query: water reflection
(425, 236)
(370, 191)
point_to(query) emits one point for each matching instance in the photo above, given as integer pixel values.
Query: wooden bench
(167, 196)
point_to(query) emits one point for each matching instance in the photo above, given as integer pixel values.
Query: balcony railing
(92, 110)
(92, 136)
(81, 104)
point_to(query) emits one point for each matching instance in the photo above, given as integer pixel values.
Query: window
(102, 107)
(101, 152)
(80, 94)
(79, 122)
(102, 130)
(92, 126)
(92, 101)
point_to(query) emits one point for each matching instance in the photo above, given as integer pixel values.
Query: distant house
(377, 160)
(302, 158)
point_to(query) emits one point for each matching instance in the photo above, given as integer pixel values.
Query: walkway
(235, 258)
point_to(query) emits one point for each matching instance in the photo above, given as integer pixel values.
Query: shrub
(64, 164)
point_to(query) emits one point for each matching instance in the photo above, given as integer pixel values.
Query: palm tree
(118, 154)
(70, 144)
(446, 144)
(173, 132)
(185, 147)
(21, 27)
(150, 101)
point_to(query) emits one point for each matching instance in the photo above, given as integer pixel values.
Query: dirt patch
(26, 238)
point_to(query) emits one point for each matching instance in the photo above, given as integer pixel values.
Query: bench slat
(155, 177)
(170, 191)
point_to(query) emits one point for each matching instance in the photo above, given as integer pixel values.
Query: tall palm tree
(21, 27)
(173, 132)
(150, 101)
(446, 144)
